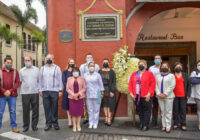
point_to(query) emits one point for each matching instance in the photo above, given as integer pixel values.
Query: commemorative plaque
(66, 36)
(100, 27)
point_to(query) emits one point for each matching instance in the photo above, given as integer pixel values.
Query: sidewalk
(121, 128)
(125, 127)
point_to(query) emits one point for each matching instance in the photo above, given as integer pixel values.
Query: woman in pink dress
(76, 88)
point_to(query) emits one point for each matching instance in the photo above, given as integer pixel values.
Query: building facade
(148, 27)
(13, 49)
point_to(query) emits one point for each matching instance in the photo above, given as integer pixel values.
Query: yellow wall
(11, 49)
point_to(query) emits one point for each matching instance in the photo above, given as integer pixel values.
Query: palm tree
(29, 2)
(5, 35)
(23, 19)
(37, 38)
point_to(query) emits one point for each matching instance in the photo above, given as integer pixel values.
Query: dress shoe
(141, 126)
(145, 128)
(34, 128)
(85, 122)
(15, 130)
(47, 128)
(168, 131)
(56, 127)
(25, 129)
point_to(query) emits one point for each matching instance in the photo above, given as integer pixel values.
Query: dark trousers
(50, 103)
(179, 111)
(30, 101)
(155, 110)
(144, 109)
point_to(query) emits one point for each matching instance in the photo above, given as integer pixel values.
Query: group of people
(167, 88)
(86, 89)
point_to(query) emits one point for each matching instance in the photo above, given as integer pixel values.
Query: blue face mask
(28, 64)
(157, 61)
(89, 59)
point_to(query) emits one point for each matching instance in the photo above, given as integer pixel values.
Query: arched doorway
(174, 34)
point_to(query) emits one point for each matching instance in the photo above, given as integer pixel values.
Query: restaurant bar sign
(100, 27)
(165, 0)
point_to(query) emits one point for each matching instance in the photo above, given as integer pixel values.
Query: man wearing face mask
(155, 69)
(10, 81)
(84, 69)
(50, 88)
(29, 77)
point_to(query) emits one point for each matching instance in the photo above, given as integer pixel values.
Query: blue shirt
(50, 78)
(94, 84)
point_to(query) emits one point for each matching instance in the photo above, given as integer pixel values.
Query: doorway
(184, 52)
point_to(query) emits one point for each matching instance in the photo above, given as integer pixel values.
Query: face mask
(157, 61)
(75, 74)
(89, 59)
(198, 67)
(164, 69)
(49, 61)
(28, 64)
(8, 67)
(178, 69)
(141, 67)
(105, 65)
(91, 69)
(72, 65)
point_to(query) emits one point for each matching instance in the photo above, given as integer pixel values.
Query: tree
(5, 35)
(23, 19)
(29, 2)
(37, 38)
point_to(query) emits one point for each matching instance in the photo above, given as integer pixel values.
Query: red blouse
(179, 90)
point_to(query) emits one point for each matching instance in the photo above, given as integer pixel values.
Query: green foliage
(38, 37)
(24, 18)
(29, 2)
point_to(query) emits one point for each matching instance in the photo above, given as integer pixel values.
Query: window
(34, 62)
(24, 37)
(43, 63)
(43, 48)
(33, 47)
(29, 42)
(9, 40)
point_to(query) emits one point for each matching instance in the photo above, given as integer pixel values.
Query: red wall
(62, 15)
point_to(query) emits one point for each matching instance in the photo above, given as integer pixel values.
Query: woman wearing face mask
(142, 85)
(182, 92)
(76, 88)
(195, 81)
(94, 94)
(65, 101)
(165, 84)
(109, 81)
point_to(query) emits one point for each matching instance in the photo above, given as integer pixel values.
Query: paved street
(122, 129)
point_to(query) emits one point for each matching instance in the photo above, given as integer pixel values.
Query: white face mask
(75, 74)
(91, 69)
(198, 67)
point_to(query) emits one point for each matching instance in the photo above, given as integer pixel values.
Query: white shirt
(155, 70)
(84, 68)
(195, 87)
(94, 84)
(50, 78)
(29, 78)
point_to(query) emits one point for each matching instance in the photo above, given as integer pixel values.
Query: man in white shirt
(50, 88)
(29, 77)
(155, 69)
(84, 69)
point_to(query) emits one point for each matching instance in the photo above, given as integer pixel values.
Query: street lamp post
(16, 46)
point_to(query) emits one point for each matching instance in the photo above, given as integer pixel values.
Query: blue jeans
(12, 109)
